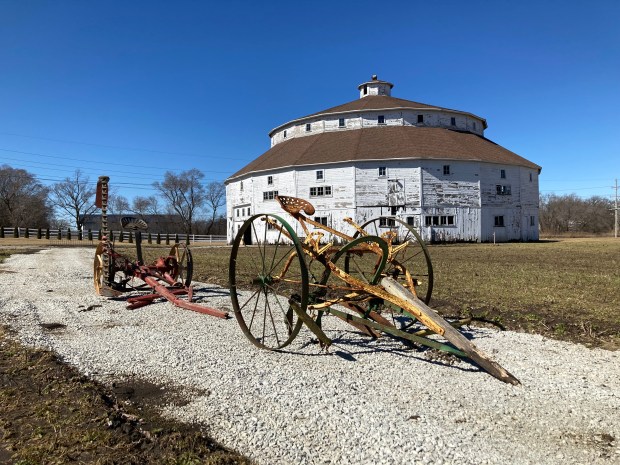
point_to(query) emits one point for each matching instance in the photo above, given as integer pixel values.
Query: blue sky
(134, 88)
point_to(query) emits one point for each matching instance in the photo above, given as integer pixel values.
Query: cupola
(375, 87)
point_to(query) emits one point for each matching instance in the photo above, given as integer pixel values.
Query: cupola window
(308, 127)
(341, 122)
(285, 133)
(381, 119)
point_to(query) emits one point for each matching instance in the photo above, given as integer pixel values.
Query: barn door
(396, 192)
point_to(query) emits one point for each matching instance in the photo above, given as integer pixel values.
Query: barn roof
(383, 143)
(375, 102)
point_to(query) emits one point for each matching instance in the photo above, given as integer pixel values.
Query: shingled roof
(383, 143)
(376, 102)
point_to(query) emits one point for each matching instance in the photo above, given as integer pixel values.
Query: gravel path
(363, 403)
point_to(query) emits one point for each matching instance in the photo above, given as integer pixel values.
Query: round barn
(381, 156)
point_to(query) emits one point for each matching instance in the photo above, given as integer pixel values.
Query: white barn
(380, 156)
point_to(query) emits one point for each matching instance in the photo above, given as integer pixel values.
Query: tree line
(184, 202)
(572, 214)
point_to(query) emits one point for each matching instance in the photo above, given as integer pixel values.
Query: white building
(380, 156)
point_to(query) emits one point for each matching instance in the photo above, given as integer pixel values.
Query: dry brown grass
(567, 289)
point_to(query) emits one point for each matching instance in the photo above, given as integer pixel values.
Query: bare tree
(570, 213)
(23, 200)
(184, 194)
(145, 206)
(75, 197)
(118, 205)
(215, 198)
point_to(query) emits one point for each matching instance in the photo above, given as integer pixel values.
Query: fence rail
(75, 237)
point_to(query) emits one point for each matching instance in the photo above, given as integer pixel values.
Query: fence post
(68, 234)
(59, 234)
(39, 233)
(120, 236)
(167, 239)
(90, 234)
(1, 232)
(16, 232)
(47, 233)
(158, 240)
(26, 234)
(80, 235)
(176, 238)
(130, 237)
(149, 239)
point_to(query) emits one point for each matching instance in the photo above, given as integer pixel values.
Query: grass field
(567, 289)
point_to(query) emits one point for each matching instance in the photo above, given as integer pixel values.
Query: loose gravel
(361, 403)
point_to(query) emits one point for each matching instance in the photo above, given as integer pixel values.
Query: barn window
(241, 186)
(502, 174)
(321, 219)
(365, 89)
(474, 125)
(530, 177)
(502, 190)
(381, 119)
(446, 169)
(420, 118)
(410, 221)
(308, 127)
(382, 171)
(341, 122)
(269, 195)
(269, 180)
(321, 191)
(237, 213)
(453, 121)
(285, 133)
(270, 226)
(320, 175)
(393, 210)
(499, 221)
(385, 222)
(532, 220)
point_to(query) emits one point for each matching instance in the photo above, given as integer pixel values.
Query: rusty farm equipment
(169, 277)
(379, 280)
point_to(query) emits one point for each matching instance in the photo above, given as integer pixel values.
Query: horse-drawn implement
(169, 277)
(379, 280)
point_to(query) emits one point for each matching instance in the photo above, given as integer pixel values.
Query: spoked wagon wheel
(410, 265)
(98, 269)
(184, 267)
(413, 257)
(267, 273)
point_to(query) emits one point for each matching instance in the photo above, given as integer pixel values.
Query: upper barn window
(341, 122)
(320, 175)
(420, 118)
(381, 119)
(446, 169)
(308, 127)
(382, 171)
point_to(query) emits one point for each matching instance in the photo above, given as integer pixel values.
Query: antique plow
(379, 280)
(168, 277)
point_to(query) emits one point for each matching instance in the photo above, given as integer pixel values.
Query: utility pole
(616, 211)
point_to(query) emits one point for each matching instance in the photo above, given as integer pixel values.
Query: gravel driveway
(361, 403)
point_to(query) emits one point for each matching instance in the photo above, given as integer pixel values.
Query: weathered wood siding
(357, 120)
(465, 194)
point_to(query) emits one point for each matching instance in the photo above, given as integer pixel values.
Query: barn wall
(410, 190)
(358, 120)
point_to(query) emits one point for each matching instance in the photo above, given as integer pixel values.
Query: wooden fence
(76, 237)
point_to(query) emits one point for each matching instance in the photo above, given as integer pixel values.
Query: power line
(118, 147)
(62, 157)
